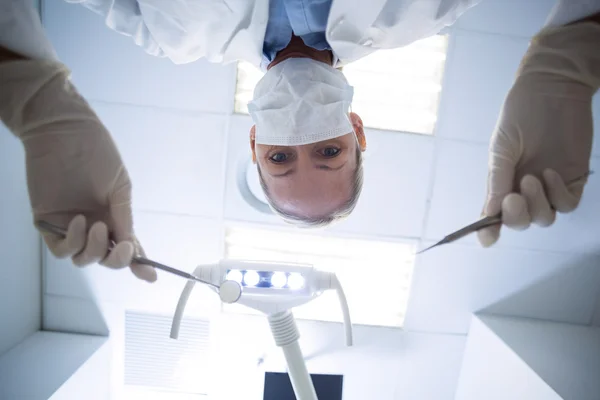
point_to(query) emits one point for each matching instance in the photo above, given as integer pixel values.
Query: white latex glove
(543, 139)
(75, 175)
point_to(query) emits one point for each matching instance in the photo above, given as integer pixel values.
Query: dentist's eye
(330, 152)
(279, 158)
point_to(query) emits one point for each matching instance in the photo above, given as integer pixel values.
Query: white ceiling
(183, 147)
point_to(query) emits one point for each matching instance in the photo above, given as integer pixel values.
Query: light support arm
(345, 309)
(286, 335)
(183, 298)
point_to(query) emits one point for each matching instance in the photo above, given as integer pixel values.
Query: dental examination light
(273, 289)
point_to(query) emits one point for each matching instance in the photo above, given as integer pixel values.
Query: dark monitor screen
(279, 387)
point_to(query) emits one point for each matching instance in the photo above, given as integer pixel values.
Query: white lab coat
(229, 30)
(224, 31)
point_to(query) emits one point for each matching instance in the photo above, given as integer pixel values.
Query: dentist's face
(309, 173)
(313, 180)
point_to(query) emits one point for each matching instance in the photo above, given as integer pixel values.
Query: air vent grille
(154, 360)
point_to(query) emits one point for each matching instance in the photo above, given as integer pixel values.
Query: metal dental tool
(232, 288)
(482, 223)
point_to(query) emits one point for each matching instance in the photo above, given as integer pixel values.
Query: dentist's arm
(75, 174)
(543, 137)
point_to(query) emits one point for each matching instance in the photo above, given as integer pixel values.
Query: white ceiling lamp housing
(376, 275)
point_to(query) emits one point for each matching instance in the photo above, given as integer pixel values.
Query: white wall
(492, 371)
(20, 265)
(38, 366)
(569, 294)
(519, 358)
(566, 357)
(91, 381)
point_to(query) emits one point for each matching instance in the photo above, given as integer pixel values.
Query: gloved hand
(75, 175)
(543, 139)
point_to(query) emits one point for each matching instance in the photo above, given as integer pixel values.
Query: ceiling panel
(110, 67)
(175, 159)
(458, 189)
(596, 317)
(479, 72)
(507, 17)
(596, 110)
(453, 281)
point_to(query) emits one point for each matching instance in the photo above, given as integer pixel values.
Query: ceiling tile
(507, 17)
(596, 317)
(596, 110)
(458, 189)
(110, 67)
(480, 70)
(175, 159)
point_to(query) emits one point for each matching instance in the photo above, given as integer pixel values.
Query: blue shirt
(306, 19)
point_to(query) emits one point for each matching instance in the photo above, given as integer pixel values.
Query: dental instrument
(228, 290)
(474, 227)
(274, 289)
(482, 223)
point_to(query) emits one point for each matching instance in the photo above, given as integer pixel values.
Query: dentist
(305, 141)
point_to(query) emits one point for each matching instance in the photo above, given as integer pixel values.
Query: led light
(251, 278)
(235, 275)
(278, 279)
(295, 281)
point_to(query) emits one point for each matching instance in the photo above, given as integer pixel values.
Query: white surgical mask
(301, 101)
